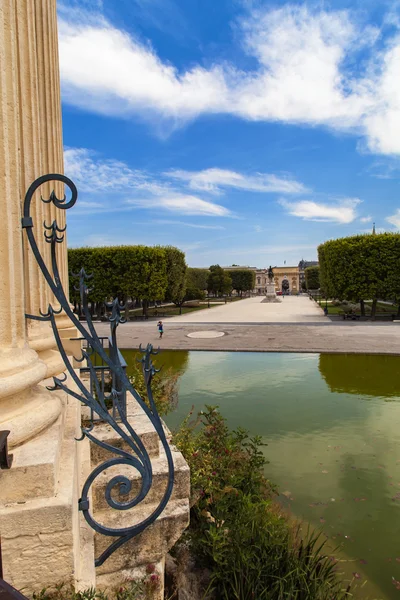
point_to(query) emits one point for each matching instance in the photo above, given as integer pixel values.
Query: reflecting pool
(332, 425)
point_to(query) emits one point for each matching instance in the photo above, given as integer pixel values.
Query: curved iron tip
(57, 383)
(85, 431)
(79, 359)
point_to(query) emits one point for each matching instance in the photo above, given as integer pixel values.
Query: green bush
(131, 590)
(312, 278)
(361, 267)
(237, 530)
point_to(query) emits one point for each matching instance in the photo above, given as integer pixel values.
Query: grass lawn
(228, 299)
(382, 308)
(172, 311)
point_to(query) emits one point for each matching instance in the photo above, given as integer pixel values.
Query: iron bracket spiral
(96, 398)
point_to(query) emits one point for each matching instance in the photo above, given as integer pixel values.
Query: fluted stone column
(32, 165)
(50, 129)
(42, 535)
(20, 286)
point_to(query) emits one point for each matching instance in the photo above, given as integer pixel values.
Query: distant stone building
(285, 279)
(303, 265)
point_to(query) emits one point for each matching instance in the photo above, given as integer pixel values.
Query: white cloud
(344, 211)
(212, 180)
(304, 74)
(106, 70)
(93, 174)
(366, 219)
(394, 219)
(184, 204)
(185, 224)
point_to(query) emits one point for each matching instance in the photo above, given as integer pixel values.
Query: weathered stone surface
(140, 573)
(150, 545)
(106, 433)
(34, 468)
(160, 480)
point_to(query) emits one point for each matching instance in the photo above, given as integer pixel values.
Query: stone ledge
(149, 546)
(35, 467)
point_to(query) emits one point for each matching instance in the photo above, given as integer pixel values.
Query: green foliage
(196, 283)
(219, 282)
(361, 267)
(197, 278)
(237, 531)
(176, 274)
(123, 271)
(132, 590)
(312, 278)
(243, 280)
(164, 387)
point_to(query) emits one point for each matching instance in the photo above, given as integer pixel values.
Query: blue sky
(241, 131)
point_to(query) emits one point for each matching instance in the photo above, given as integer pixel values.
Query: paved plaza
(291, 309)
(296, 325)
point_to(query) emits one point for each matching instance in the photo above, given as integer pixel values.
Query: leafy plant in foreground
(237, 531)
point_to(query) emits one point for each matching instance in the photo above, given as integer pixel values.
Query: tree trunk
(373, 309)
(145, 305)
(127, 309)
(398, 312)
(180, 308)
(362, 308)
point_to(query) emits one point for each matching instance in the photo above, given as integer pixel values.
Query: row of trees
(149, 273)
(146, 273)
(312, 278)
(221, 282)
(361, 267)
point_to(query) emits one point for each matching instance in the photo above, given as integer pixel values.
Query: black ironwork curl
(137, 457)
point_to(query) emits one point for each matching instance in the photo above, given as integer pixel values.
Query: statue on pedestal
(270, 294)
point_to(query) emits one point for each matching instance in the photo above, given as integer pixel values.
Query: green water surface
(332, 425)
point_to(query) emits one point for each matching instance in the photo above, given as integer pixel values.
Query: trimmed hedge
(361, 267)
(312, 278)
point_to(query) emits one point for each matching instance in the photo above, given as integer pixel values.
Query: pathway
(292, 309)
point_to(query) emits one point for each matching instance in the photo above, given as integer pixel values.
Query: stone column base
(42, 533)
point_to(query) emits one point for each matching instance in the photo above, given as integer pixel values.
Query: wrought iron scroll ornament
(137, 457)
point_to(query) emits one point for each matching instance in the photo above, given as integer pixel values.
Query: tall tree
(243, 280)
(176, 274)
(219, 281)
(196, 283)
(312, 278)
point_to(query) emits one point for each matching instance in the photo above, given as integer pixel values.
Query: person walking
(160, 328)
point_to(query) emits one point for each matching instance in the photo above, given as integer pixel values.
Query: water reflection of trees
(368, 375)
(369, 514)
(174, 360)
